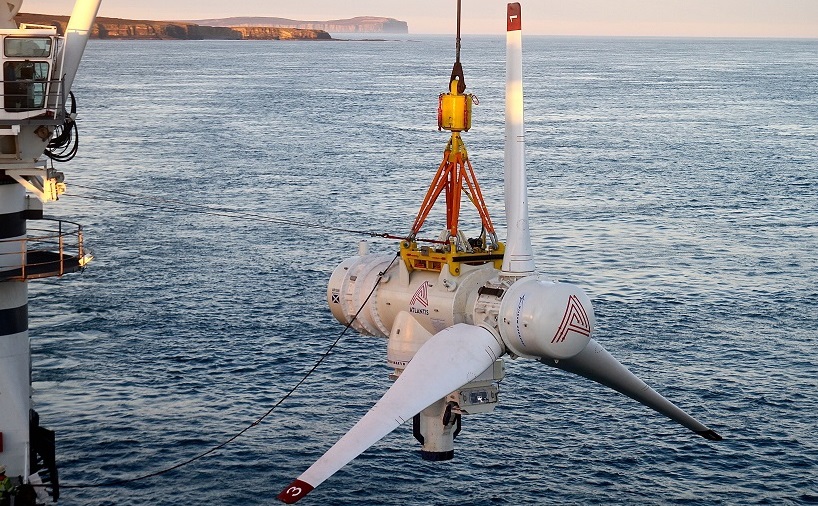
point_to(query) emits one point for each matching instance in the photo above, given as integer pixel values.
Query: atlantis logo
(575, 319)
(419, 303)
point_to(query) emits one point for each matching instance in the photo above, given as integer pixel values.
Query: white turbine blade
(596, 364)
(518, 258)
(449, 360)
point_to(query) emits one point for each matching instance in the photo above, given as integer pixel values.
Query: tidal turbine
(451, 313)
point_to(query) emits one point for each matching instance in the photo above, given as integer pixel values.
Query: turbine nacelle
(545, 319)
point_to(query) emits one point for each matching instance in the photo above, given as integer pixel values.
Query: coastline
(129, 29)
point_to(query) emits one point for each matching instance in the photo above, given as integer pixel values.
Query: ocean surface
(220, 182)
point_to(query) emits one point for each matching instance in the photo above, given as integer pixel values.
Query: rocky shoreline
(115, 28)
(360, 24)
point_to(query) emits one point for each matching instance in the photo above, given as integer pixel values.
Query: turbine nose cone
(545, 319)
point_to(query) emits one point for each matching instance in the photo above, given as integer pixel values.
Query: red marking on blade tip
(513, 22)
(295, 492)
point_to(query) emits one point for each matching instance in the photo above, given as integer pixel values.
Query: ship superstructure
(36, 128)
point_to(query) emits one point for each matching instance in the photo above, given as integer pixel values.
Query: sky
(697, 18)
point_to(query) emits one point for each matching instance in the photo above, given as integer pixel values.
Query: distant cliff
(274, 33)
(363, 24)
(115, 28)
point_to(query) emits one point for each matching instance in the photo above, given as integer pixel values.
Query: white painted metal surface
(76, 37)
(9, 9)
(519, 258)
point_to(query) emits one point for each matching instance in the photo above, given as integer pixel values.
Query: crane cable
(258, 420)
(227, 213)
(457, 69)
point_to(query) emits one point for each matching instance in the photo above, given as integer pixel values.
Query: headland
(223, 29)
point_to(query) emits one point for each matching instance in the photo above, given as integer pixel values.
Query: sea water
(672, 179)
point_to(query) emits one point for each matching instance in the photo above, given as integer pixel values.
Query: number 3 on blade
(295, 491)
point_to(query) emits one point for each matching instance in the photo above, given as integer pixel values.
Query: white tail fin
(518, 258)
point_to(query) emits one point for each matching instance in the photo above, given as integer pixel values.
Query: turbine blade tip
(710, 435)
(513, 23)
(295, 491)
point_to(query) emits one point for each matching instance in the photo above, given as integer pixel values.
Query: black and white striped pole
(14, 345)
(39, 65)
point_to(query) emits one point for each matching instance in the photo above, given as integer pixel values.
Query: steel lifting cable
(457, 69)
(258, 420)
(198, 209)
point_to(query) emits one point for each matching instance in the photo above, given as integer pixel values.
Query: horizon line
(466, 33)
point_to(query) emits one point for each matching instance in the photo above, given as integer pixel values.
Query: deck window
(27, 47)
(24, 85)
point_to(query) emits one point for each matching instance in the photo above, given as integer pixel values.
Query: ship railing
(53, 248)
